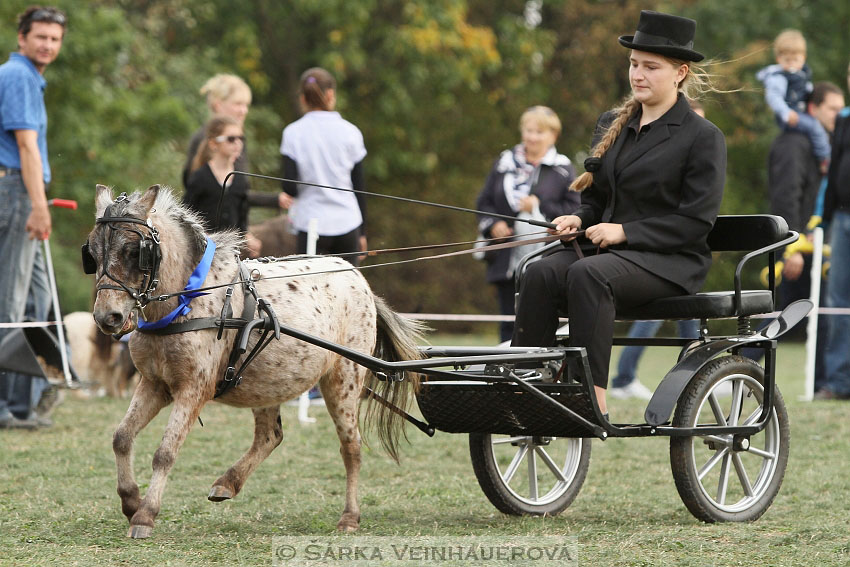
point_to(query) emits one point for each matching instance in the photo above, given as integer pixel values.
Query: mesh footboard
(504, 408)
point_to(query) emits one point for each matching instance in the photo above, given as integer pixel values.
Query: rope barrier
(470, 318)
(500, 318)
(29, 324)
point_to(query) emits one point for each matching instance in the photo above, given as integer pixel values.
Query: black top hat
(672, 36)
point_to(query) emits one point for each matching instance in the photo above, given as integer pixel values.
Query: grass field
(58, 504)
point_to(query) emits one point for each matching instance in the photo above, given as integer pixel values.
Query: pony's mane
(170, 209)
(226, 240)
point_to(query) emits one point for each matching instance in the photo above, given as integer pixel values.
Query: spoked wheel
(529, 475)
(720, 478)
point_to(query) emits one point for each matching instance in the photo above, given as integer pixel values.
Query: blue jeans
(629, 357)
(838, 295)
(22, 277)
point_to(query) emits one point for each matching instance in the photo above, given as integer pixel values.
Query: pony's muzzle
(113, 322)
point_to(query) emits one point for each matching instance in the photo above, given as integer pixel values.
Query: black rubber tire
(572, 459)
(740, 485)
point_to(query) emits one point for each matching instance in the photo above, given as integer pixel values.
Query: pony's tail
(398, 339)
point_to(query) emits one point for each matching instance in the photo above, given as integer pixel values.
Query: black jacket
(838, 188)
(793, 179)
(202, 194)
(556, 199)
(666, 194)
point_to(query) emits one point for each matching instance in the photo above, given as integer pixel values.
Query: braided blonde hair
(696, 82)
(622, 115)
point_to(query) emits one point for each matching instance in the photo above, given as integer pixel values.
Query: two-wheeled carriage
(531, 413)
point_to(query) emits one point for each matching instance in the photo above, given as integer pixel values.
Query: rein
(267, 323)
(571, 238)
(535, 222)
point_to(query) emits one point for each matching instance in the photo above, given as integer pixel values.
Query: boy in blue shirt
(787, 86)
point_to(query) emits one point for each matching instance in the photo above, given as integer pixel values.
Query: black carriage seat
(754, 234)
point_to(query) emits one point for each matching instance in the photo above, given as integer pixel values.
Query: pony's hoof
(348, 525)
(140, 532)
(219, 493)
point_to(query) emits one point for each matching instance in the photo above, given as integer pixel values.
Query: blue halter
(196, 280)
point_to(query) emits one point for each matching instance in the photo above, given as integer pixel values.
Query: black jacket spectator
(793, 176)
(838, 189)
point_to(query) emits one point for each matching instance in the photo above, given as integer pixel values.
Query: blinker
(146, 255)
(89, 263)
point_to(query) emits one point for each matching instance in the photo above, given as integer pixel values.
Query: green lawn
(58, 504)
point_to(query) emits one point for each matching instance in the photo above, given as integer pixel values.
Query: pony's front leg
(268, 433)
(187, 407)
(149, 398)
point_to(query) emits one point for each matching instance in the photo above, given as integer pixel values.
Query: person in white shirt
(323, 148)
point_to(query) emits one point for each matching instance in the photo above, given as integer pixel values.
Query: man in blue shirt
(24, 175)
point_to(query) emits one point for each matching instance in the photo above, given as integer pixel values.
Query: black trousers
(588, 291)
(348, 242)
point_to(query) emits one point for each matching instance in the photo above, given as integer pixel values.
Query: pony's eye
(130, 253)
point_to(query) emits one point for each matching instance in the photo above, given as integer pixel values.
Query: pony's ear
(102, 199)
(148, 199)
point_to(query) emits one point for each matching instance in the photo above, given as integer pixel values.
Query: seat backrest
(739, 233)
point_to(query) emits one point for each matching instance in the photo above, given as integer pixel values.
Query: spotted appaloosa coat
(325, 297)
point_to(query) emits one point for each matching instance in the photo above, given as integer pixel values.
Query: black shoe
(825, 394)
(9, 421)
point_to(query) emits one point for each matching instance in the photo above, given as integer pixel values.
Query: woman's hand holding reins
(564, 225)
(606, 234)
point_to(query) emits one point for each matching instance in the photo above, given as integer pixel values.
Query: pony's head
(123, 252)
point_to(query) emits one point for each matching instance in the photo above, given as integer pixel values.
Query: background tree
(436, 86)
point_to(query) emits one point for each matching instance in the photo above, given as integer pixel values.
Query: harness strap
(232, 377)
(267, 323)
(197, 325)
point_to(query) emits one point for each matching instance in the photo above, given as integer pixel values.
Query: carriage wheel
(719, 478)
(529, 475)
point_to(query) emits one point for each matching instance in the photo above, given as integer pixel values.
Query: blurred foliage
(436, 86)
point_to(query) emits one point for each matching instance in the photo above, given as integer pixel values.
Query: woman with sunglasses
(323, 148)
(221, 147)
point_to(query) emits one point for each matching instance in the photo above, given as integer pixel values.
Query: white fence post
(304, 399)
(812, 327)
(60, 325)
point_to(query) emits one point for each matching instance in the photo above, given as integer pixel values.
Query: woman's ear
(682, 73)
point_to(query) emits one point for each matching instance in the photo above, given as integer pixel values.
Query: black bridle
(150, 257)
